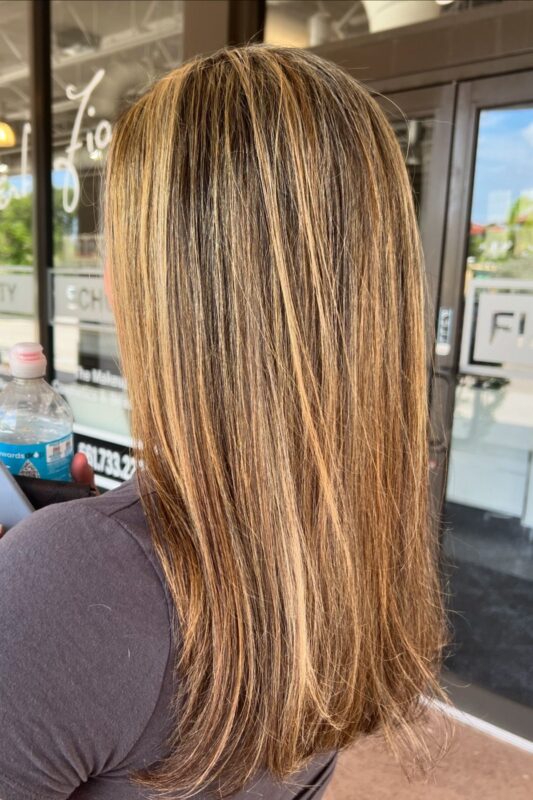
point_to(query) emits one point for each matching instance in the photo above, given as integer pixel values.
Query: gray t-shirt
(86, 657)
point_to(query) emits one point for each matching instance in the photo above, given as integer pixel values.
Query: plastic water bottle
(35, 421)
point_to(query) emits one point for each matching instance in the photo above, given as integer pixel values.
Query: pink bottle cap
(27, 360)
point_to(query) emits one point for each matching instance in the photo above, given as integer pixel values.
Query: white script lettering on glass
(95, 140)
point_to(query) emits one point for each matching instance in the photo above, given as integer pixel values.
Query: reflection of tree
(521, 225)
(475, 246)
(16, 241)
(522, 207)
(505, 249)
(15, 232)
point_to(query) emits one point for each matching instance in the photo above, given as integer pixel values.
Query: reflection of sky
(504, 162)
(58, 177)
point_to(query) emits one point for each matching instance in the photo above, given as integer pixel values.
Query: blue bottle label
(50, 460)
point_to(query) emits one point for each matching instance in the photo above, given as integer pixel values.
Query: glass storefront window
(17, 310)
(489, 497)
(501, 232)
(105, 53)
(308, 23)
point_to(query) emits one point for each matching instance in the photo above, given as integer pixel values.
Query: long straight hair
(269, 301)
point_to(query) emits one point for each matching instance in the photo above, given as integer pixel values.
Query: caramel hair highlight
(269, 302)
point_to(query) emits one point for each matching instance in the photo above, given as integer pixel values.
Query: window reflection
(489, 496)
(501, 230)
(17, 313)
(105, 53)
(308, 23)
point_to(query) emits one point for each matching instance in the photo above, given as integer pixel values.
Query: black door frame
(473, 96)
(496, 92)
(41, 125)
(501, 91)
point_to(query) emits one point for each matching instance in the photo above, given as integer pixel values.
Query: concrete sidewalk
(476, 767)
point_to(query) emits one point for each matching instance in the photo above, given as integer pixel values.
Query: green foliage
(16, 241)
(521, 208)
(63, 221)
(475, 246)
(16, 232)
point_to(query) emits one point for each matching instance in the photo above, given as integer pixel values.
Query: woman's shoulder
(88, 529)
(85, 626)
(87, 552)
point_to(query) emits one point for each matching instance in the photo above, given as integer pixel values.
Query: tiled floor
(488, 540)
(488, 566)
(476, 767)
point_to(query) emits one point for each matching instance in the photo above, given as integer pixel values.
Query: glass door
(484, 355)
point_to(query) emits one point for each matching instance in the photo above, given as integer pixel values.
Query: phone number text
(108, 462)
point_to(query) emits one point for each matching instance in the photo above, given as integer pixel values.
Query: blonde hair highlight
(269, 302)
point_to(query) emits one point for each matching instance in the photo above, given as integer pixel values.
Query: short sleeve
(84, 644)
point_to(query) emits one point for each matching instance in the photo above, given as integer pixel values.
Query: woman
(265, 590)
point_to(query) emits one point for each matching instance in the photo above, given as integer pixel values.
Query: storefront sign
(88, 399)
(80, 298)
(112, 463)
(498, 328)
(96, 376)
(16, 293)
(95, 142)
(504, 328)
